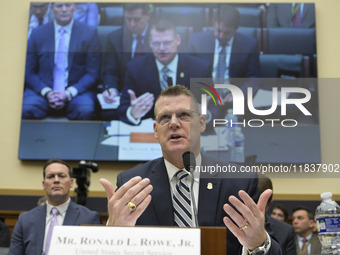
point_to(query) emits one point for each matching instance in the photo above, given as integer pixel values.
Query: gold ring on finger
(245, 226)
(132, 206)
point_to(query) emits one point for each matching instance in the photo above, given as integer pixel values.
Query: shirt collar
(143, 33)
(172, 170)
(219, 47)
(61, 208)
(68, 28)
(172, 65)
(300, 238)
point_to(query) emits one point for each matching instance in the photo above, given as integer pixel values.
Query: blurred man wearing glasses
(148, 75)
(158, 194)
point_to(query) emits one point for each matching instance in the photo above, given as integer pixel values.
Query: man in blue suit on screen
(158, 193)
(32, 231)
(62, 67)
(148, 75)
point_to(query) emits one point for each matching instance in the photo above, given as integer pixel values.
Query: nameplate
(103, 240)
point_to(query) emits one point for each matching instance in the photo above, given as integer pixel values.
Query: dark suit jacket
(283, 233)
(210, 202)
(315, 244)
(142, 76)
(244, 58)
(117, 56)
(83, 58)
(280, 15)
(29, 231)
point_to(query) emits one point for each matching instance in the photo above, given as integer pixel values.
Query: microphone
(189, 163)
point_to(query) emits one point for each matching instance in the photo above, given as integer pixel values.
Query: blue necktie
(164, 77)
(182, 201)
(60, 63)
(221, 64)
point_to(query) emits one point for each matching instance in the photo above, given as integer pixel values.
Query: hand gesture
(141, 105)
(134, 192)
(249, 228)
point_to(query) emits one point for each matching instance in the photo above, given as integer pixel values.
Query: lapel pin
(181, 75)
(209, 185)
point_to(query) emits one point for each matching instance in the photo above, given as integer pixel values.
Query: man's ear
(155, 133)
(202, 123)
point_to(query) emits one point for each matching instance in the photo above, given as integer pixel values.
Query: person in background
(230, 54)
(42, 200)
(87, 13)
(279, 212)
(299, 15)
(62, 68)
(148, 75)
(5, 235)
(124, 44)
(158, 193)
(282, 231)
(307, 242)
(40, 15)
(32, 232)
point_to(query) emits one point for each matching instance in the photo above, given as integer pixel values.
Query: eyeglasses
(157, 44)
(182, 115)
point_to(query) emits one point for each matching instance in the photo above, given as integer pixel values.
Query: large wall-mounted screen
(94, 70)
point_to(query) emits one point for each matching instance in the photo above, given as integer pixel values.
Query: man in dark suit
(30, 233)
(307, 242)
(229, 53)
(282, 15)
(124, 44)
(281, 231)
(177, 128)
(148, 75)
(62, 67)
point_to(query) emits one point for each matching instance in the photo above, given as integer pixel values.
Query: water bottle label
(328, 224)
(238, 143)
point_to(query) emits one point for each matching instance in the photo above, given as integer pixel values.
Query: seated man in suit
(151, 194)
(124, 44)
(307, 242)
(32, 232)
(291, 15)
(40, 15)
(282, 231)
(230, 54)
(148, 75)
(62, 67)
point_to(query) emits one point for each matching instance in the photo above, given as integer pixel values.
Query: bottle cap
(326, 195)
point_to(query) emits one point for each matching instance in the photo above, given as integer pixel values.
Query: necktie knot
(55, 211)
(61, 31)
(181, 174)
(165, 70)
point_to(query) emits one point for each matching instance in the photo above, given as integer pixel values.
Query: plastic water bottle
(232, 120)
(237, 152)
(328, 223)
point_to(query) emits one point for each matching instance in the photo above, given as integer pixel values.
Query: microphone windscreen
(189, 161)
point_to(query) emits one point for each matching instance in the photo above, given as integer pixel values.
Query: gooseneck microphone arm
(190, 164)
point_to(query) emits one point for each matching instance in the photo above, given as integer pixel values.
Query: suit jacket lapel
(40, 225)
(183, 74)
(161, 196)
(73, 43)
(71, 214)
(50, 44)
(208, 198)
